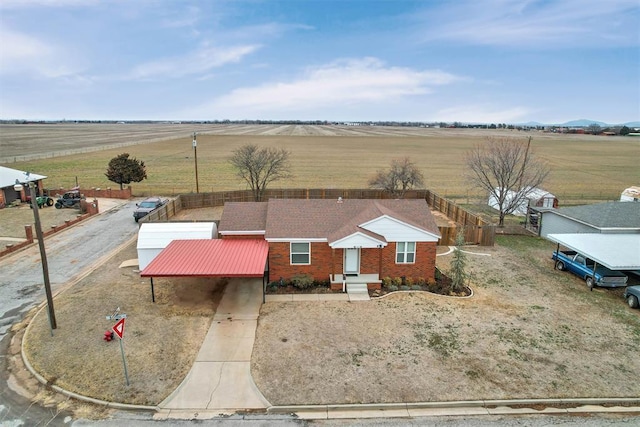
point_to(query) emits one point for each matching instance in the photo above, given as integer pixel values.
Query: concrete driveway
(220, 380)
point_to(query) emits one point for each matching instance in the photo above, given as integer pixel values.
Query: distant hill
(583, 123)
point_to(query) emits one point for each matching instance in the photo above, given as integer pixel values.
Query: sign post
(118, 329)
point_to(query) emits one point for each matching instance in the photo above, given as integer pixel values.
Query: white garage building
(155, 236)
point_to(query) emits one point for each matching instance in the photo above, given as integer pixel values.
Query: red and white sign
(118, 328)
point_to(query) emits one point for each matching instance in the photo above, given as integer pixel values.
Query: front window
(300, 253)
(405, 252)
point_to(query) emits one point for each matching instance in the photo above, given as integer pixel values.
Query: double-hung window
(405, 252)
(301, 253)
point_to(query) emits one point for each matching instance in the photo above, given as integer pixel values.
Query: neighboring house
(348, 242)
(631, 194)
(535, 197)
(608, 233)
(605, 218)
(8, 179)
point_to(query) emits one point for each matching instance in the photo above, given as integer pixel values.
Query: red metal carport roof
(210, 258)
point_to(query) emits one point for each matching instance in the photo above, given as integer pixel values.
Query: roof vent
(339, 199)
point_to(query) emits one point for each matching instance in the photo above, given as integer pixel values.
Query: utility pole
(43, 256)
(195, 152)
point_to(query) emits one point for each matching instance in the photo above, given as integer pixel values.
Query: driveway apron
(220, 379)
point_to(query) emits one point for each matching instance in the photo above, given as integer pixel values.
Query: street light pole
(195, 152)
(43, 256)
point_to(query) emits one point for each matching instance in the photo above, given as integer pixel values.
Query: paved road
(70, 253)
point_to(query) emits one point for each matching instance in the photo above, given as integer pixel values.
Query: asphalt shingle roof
(243, 216)
(322, 218)
(606, 215)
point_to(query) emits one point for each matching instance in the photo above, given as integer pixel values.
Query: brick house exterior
(343, 241)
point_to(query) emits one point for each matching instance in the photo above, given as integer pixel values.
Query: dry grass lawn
(161, 339)
(528, 332)
(13, 219)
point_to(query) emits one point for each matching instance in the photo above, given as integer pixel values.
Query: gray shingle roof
(606, 215)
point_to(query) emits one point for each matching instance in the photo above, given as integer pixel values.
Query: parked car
(147, 206)
(70, 199)
(586, 269)
(632, 296)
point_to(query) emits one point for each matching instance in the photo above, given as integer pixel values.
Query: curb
(461, 408)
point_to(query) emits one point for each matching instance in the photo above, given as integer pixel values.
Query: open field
(529, 331)
(584, 168)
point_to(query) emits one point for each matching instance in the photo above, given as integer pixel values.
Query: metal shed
(155, 236)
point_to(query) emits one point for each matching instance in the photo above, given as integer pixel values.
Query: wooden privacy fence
(476, 230)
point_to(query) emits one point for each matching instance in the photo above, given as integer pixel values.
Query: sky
(474, 61)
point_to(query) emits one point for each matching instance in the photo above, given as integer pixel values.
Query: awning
(210, 258)
(614, 251)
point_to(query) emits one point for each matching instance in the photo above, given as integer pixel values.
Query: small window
(405, 252)
(300, 253)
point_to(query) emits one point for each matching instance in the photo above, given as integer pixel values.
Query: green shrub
(421, 281)
(386, 282)
(392, 288)
(397, 281)
(302, 281)
(409, 282)
(404, 288)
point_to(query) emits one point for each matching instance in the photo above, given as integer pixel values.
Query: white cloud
(24, 54)
(482, 114)
(549, 24)
(342, 83)
(197, 62)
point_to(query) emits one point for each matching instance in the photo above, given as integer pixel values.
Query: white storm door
(352, 261)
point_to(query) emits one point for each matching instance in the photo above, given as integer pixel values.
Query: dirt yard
(528, 331)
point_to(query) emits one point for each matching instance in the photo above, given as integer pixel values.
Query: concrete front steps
(357, 292)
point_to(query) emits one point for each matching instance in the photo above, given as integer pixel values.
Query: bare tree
(403, 175)
(507, 169)
(594, 129)
(260, 166)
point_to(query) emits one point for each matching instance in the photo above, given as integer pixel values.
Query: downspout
(332, 275)
(153, 295)
(555, 264)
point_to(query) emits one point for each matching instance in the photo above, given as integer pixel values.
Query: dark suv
(146, 206)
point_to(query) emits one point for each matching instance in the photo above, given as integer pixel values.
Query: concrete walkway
(220, 380)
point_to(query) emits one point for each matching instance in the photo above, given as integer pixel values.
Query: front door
(352, 261)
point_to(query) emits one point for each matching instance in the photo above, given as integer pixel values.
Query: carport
(614, 251)
(211, 258)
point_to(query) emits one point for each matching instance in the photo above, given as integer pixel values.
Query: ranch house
(351, 242)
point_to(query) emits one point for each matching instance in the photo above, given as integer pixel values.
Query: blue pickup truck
(588, 270)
